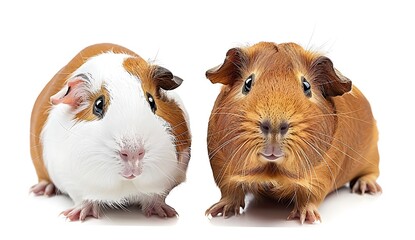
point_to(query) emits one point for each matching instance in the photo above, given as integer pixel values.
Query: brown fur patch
(167, 108)
(87, 114)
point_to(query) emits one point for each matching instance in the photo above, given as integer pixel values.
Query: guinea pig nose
(265, 127)
(128, 154)
(284, 128)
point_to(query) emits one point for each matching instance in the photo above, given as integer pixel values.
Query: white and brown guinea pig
(107, 131)
(288, 125)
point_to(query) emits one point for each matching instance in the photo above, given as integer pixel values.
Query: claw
(82, 211)
(43, 188)
(226, 208)
(156, 205)
(49, 190)
(366, 184)
(292, 215)
(363, 187)
(302, 218)
(308, 213)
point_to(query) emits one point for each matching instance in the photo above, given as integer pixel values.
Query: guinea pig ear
(331, 81)
(230, 70)
(71, 93)
(165, 79)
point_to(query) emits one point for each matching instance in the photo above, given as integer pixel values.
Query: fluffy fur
(325, 140)
(81, 153)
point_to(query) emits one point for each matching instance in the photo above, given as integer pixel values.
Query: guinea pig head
(274, 112)
(119, 116)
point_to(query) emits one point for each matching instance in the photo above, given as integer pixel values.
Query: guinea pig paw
(43, 188)
(82, 211)
(225, 209)
(162, 210)
(366, 184)
(156, 205)
(308, 214)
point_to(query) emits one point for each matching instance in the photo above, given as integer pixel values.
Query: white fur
(82, 157)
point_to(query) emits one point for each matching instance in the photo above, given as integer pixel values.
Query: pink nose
(132, 154)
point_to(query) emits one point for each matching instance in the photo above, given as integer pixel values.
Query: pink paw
(156, 205)
(162, 210)
(82, 211)
(308, 213)
(43, 188)
(366, 185)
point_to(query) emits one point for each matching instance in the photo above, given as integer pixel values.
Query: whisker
(159, 170)
(344, 144)
(343, 115)
(223, 171)
(215, 151)
(324, 160)
(179, 124)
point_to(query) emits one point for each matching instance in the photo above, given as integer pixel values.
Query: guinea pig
(108, 132)
(287, 125)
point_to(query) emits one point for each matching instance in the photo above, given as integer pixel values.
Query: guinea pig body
(106, 131)
(288, 125)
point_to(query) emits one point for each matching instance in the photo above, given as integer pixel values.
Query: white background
(371, 42)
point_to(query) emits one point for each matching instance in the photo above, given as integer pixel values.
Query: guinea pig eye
(152, 103)
(99, 107)
(306, 87)
(248, 84)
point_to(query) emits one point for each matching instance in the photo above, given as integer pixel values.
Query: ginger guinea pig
(107, 131)
(288, 125)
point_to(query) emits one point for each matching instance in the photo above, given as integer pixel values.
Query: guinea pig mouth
(129, 177)
(130, 171)
(272, 152)
(272, 157)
